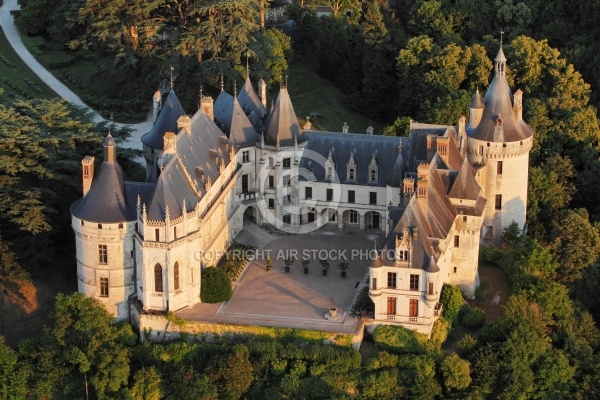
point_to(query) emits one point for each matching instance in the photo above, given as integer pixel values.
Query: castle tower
(104, 227)
(499, 142)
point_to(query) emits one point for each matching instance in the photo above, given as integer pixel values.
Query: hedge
(216, 286)
(56, 59)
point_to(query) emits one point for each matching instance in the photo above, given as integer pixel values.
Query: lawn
(16, 79)
(311, 93)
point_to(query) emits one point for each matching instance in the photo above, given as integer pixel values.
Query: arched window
(158, 279)
(176, 276)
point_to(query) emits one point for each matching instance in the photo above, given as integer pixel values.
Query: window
(99, 226)
(287, 219)
(373, 175)
(308, 192)
(454, 269)
(103, 287)
(245, 183)
(351, 174)
(158, 279)
(271, 181)
(329, 173)
(391, 306)
(353, 217)
(391, 283)
(413, 308)
(372, 197)
(465, 218)
(329, 194)
(374, 283)
(287, 163)
(498, 202)
(456, 241)
(102, 254)
(176, 276)
(271, 203)
(351, 196)
(120, 226)
(174, 232)
(414, 282)
(403, 255)
(430, 288)
(246, 156)
(499, 168)
(157, 235)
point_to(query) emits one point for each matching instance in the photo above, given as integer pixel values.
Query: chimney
(422, 194)
(169, 142)
(422, 170)
(431, 146)
(155, 105)
(87, 169)
(206, 104)
(345, 128)
(442, 147)
(262, 92)
(370, 130)
(518, 107)
(408, 186)
(184, 122)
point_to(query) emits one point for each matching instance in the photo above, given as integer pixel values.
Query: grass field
(16, 79)
(312, 94)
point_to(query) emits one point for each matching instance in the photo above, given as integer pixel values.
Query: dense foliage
(216, 285)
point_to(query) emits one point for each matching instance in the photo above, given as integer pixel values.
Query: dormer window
(352, 167)
(329, 166)
(374, 169)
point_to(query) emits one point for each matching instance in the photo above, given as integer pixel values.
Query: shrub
(56, 59)
(466, 345)
(398, 338)
(472, 317)
(55, 46)
(216, 286)
(439, 334)
(452, 299)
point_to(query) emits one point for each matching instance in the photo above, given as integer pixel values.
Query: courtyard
(296, 299)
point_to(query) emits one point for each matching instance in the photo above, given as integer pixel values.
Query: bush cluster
(215, 286)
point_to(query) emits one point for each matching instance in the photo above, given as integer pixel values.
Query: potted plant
(288, 262)
(343, 266)
(324, 265)
(269, 263)
(305, 264)
(332, 307)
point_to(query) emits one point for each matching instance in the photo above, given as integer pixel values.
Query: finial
(286, 81)
(501, 36)
(400, 146)
(201, 96)
(222, 85)
(172, 69)
(247, 67)
(234, 88)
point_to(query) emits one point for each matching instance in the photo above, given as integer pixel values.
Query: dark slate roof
(201, 150)
(133, 190)
(477, 102)
(282, 123)
(239, 128)
(417, 151)
(223, 110)
(391, 162)
(465, 185)
(250, 101)
(106, 200)
(498, 102)
(165, 122)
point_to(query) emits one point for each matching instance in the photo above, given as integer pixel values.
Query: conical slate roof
(465, 185)
(106, 200)
(165, 122)
(250, 101)
(498, 122)
(477, 102)
(241, 132)
(282, 123)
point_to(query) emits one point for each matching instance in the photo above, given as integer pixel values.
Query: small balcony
(247, 197)
(438, 309)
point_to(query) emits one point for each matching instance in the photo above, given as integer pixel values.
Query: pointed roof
(465, 185)
(249, 100)
(282, 123)
(498, 101)
(235, 122)
(106, 200)
(477, 102)
(165, 122)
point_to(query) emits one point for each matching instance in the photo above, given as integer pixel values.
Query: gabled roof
(165, 122)
(465, 185)
(250, 101)
(282, 123)
(391, 162)
(106, 200)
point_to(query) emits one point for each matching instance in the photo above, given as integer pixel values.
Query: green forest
(394, 61)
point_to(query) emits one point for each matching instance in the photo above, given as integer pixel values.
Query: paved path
(14, 38)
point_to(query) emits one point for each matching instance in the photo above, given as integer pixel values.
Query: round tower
(498, 145)
(104, 228)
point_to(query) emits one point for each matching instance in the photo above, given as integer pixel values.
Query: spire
(235, 89)
(222, 84)
(500, 59)
(110, 149)
(477, 102)
(200, 96)
(247, 68)
(172, 68)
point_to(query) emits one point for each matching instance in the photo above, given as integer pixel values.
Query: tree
(232, 374)
(146, 384)
(13, 374)
(452, 300)
(456, 372)
(215, 286)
